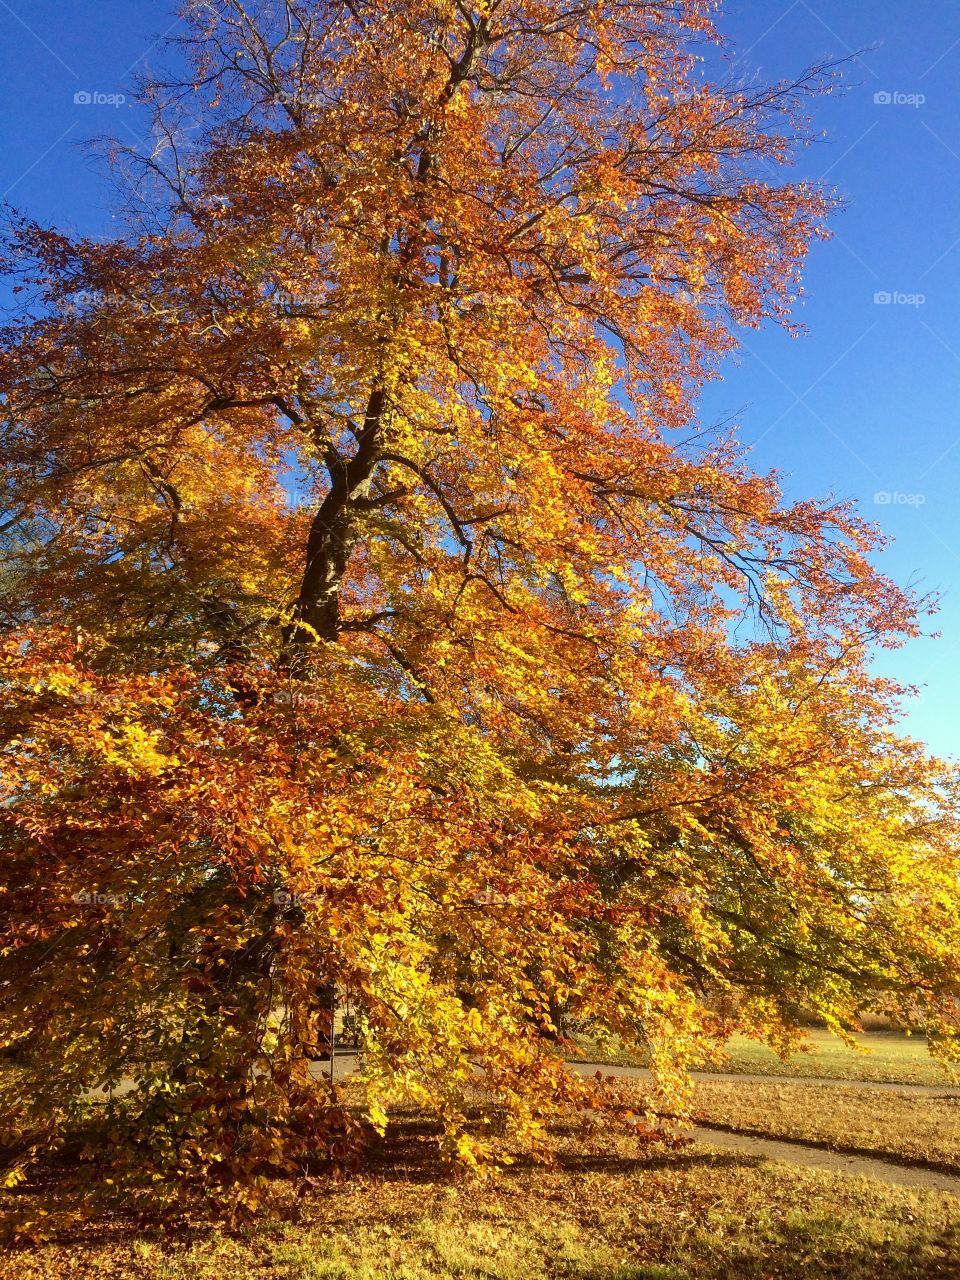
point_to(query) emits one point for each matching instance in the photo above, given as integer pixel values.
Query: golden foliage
(376, 618)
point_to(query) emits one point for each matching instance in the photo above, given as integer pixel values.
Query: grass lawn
(915, 1128)
(891, 1057)
(604, 1211)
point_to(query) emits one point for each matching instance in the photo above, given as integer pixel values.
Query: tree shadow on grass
(405, 1179)
(409, 1153)
(408, 1156)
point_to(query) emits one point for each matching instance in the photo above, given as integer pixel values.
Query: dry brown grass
(917, 1128)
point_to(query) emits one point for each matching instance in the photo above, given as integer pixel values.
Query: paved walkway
(805, 1154)
(810, 1157)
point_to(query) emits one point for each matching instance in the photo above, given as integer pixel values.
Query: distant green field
(890, 1056)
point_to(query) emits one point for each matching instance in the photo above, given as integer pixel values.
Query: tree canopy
(377, 616)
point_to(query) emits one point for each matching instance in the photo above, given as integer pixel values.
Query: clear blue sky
(866, 405)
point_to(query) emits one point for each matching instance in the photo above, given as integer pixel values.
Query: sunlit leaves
(380, 627)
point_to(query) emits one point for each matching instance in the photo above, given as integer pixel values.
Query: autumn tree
(376, 616)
